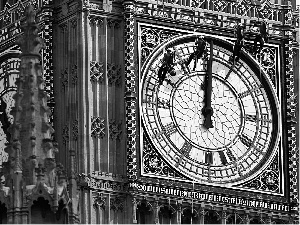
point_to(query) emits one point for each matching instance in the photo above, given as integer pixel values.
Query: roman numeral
(245, 140)
(186, 148)
(223, 158)
(230, 155)
(208, 157)
(165, 104)
(157, 134)
(249, 91)
(169, 129)
(265, 119)
(251, 118)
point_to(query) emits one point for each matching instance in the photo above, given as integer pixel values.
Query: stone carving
(98, 127)
(96, 72)
(268, 181)
(112, 23)
(6, 16)
(40, 173)
(115, 129)
(99, 201)
(154, 164)
(74, 74)
(117, 204)
(65, 134)
(63, 27)
(113, 73)
(75, 130)
(64, 79)
(36, 43)
(94, 20)
(74, 23)
(20, 9)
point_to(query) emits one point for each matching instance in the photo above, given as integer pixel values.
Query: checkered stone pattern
(291, 112)
(48, 61)
(131, 92)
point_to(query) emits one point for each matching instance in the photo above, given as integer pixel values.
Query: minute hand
(207, 110)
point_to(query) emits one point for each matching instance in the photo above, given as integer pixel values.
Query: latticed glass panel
(9, 72)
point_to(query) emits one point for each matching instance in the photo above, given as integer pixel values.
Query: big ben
(168, 111)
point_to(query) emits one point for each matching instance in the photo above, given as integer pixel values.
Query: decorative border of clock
(171, 151)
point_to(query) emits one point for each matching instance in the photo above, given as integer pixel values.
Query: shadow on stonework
(3, 213)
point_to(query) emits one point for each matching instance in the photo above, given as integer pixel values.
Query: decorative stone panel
(131, 92)
(113, 73)
(65, 134)
(75, 130)
(98, 127)
(115, 129)
(113, 23)
(64, 79)
(99, 201)
(291, 110)
(117, 204)
(74, 75)
(96, 71)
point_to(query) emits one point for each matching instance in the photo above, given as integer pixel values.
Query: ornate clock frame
(162, 34)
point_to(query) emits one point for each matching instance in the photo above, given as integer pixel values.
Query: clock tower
(167, 111)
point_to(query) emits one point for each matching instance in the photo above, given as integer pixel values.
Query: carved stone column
(179, 211)
(201, 215)
(224, 216)
(246, 218)
(156, 208)
(134, 206)
(269, 219)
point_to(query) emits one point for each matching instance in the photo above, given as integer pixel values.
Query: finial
(30, 42)
(30, 14)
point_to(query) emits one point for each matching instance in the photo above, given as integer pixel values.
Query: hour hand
(207, 112)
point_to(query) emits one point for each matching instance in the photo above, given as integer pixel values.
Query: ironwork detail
(269, 180)
(151, 38)
(153, 164)
(266, 59)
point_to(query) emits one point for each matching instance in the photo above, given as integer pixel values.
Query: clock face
(244, 130)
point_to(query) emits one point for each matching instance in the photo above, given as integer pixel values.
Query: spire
(31, 145)
(30, 42)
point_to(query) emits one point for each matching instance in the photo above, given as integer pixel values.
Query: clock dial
(244, 131)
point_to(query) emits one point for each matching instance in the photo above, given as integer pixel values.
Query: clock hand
(229, 72)
(207, 111)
